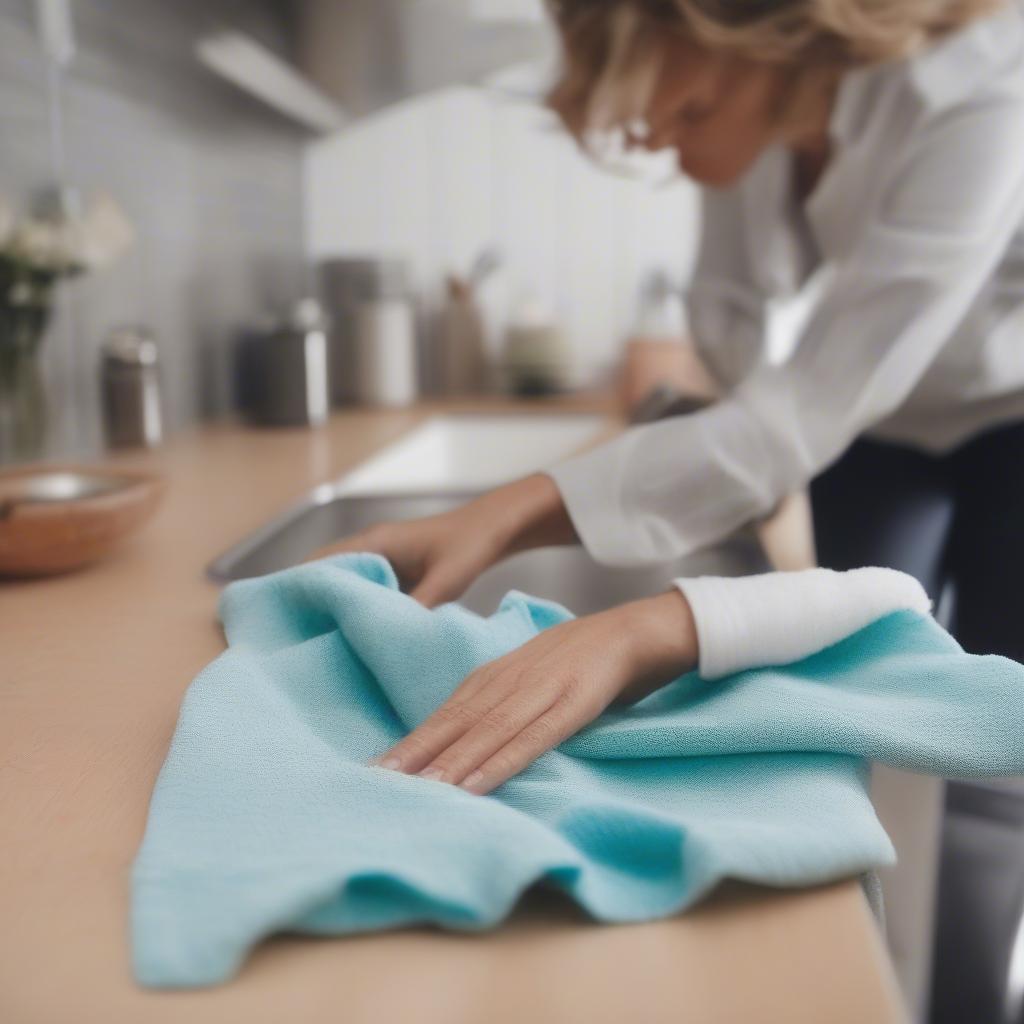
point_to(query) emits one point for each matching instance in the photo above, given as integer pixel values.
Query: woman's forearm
(528, 513)
(663, 635)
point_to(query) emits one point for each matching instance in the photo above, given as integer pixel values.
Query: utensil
(461, 356)
(488, 261)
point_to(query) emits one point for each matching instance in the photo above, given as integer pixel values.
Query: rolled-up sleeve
(891, 302)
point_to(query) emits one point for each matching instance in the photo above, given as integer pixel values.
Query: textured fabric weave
(266, 818)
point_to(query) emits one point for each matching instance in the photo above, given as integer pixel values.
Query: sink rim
(343, 486)
(589, 428)
(322, 494)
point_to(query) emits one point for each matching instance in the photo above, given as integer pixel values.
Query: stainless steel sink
(441, 464)
(566, 575)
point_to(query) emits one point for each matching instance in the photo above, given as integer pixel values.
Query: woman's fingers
(523, 703)
(437, 587)
(446, 574)
(543, 734)
(372, 539)
(337, 548)
(516, 715)
(480, 692)
(464, 708)
(509, 712)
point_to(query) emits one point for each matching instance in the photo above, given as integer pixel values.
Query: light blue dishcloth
(266, 817)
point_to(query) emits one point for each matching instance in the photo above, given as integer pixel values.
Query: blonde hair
(613, 49)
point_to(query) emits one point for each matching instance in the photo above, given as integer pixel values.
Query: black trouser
(956, 518)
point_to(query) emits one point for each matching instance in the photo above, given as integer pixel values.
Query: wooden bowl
(57, 518)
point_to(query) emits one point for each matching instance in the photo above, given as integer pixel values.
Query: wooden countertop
(92, 669)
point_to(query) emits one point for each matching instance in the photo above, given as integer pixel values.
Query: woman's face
(716, 111)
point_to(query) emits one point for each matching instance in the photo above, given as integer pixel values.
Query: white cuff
(781, 617)
(590, 488)
(661, 490)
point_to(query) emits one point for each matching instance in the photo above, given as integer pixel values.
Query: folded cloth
(266, 817)
(779, 617)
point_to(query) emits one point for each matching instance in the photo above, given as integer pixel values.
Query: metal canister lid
(365, 279)
(307, 315)
(130, 346)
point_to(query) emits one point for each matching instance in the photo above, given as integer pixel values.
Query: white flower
(66, 242)
(37, 242)
(102, 235)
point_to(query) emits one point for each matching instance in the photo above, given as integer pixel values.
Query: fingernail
(472, 781)
(391, 763)
(431, 773)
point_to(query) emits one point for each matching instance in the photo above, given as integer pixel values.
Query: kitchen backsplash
(440, 177)
(229, 201)
(210, 179)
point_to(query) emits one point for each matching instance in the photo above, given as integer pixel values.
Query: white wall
(439, 177)
(210, 179)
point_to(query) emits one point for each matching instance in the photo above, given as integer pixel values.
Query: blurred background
(249, 143)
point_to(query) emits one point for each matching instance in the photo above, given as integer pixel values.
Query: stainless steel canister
(282, 370)
(374, 339)
(130, 389)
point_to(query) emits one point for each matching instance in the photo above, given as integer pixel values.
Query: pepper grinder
(130, 389)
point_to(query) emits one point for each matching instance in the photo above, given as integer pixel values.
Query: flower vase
(23, 407)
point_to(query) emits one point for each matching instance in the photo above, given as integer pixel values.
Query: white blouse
(917, 334)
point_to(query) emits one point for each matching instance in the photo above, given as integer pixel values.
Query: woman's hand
(436, 558)
(510, 711)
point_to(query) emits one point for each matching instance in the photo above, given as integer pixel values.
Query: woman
(880, 140)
